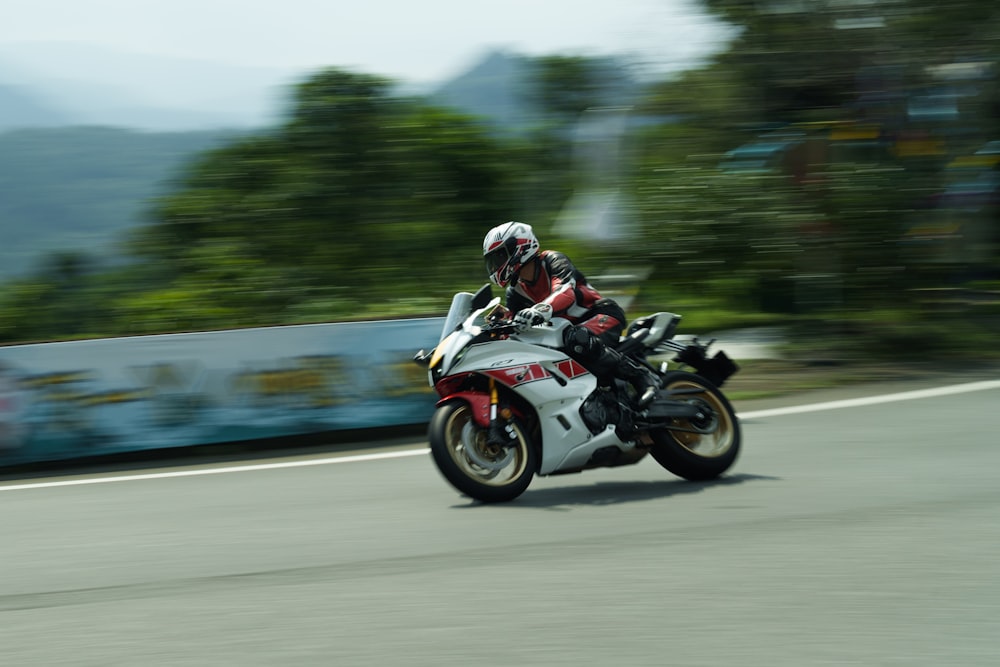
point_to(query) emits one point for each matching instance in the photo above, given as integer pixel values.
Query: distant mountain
(82, 188)
(86, 85)
(20, 108)
(495, 88)
(499, 88)
(66, 84)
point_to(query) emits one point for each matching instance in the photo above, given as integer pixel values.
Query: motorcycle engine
(600, 409)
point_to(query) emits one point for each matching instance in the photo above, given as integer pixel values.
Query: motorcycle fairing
(478, 402)
(557, 396)
(571, 368)
(519, 374)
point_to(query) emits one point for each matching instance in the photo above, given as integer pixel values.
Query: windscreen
(461, 306)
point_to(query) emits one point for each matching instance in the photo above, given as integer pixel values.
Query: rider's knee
(582, 342)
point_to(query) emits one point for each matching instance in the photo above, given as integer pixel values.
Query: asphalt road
(864, 536)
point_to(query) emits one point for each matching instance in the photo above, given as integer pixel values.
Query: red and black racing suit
(561, 285)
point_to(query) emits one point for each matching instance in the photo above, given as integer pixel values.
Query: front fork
(500, 431)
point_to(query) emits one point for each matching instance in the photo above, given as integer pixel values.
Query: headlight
(439, 350)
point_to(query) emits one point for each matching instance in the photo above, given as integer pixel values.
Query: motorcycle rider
(542, 284)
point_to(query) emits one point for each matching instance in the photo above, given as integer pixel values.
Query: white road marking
(217, 471)
(875, 400)
(358, 458)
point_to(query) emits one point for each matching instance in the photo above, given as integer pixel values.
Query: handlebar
(501, 327)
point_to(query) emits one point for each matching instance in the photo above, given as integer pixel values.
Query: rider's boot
(613, 363)
(644, 382)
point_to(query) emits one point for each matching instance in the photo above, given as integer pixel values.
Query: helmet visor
(497, 258)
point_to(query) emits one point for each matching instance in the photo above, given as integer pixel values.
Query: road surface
(865, 535)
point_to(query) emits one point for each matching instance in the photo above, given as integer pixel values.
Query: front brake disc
(473, 438)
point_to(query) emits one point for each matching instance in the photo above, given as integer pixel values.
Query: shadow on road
(614, 493)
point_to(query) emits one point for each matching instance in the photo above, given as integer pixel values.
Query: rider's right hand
(540, 313)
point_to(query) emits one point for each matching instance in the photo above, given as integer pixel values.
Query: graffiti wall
(82, 398)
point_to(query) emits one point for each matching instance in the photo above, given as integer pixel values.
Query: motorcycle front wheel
(485, 472)
(701, 448)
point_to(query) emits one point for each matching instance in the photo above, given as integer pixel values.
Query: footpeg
(646, 398)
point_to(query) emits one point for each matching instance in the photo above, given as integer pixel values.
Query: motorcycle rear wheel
(702, 455)
(481, 471)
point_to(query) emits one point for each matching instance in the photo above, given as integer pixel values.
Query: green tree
(354, 199)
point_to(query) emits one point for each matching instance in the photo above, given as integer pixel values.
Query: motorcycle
(514, 404)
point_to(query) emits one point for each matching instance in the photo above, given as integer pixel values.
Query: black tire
(698, 456)
(452, 431)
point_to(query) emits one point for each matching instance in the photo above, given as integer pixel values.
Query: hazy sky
(415, 40)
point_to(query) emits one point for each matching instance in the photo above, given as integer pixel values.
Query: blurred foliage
(814, 164)
(786, 176)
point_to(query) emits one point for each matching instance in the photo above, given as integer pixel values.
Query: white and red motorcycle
(514, 404)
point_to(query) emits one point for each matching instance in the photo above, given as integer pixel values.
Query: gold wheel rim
(708, 445)
(456, 446)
